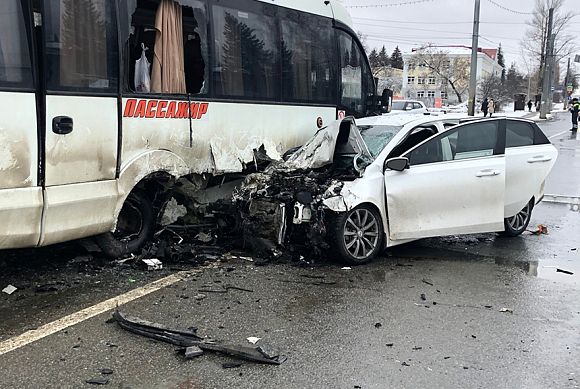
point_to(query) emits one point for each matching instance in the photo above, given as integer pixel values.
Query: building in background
(440, 74)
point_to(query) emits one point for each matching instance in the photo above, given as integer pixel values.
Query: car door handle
(488, 173)
(539, 158)
(62, 125)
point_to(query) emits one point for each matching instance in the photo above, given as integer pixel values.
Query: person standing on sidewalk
(575, 110)
(530, 105)
(491, 107)
(484, 107)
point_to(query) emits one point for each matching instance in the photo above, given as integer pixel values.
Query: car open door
(529, 158)
(455, 184)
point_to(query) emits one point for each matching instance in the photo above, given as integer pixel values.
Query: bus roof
(334, 10)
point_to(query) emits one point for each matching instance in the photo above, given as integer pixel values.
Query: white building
(420, 82)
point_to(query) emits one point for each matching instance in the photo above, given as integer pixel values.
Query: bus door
(81, 77)
(20, 192)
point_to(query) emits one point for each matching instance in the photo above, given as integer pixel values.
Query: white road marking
(558, 134)
(87, 313)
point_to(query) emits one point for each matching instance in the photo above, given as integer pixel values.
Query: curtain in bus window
(15, 67)
(307, 58)
(81, 45)
(246, 53)
(352, 84)
(168, 74)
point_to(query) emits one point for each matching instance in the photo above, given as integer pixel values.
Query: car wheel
(357, 236)
(135, 226)
(516, 225)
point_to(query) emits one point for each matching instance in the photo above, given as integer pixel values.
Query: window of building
(411, 65)
(15, 65)
(246, 51)
(161, 59)
(431, 94)
(444, 95)
(421, 80)
(431, 80)
(420, 94)
(81, 45)
(308, 58)
(411, 80)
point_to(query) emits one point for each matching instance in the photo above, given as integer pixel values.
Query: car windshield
(398, 106)
(377, 137)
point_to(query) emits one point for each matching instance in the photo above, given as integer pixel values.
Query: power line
(408, 2)
(509, 9)
(425, 23)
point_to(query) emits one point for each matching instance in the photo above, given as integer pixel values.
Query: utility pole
(547, 87)
(565, 93)
(474, 51)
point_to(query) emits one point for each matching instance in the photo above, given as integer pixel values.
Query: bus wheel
(135, 226)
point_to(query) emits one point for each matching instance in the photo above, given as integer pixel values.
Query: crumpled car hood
(340, 137)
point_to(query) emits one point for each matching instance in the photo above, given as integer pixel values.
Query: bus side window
(308, 58)
(175, 59)
(15, 67)
(357, 86)
(246, 51)
(81, 46)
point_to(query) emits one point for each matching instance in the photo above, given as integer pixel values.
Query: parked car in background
(387, 180)
(411, 106)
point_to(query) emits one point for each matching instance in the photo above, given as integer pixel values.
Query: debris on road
(152, 264)
(9, 289)
(428, 282)
(231, 365)
(346, 268)
(378, 325)
(508, 310)
(225, 289)
(107, 371)
(253, 339)
(189, 338)
(193, 352)
(564, 271)
(97, 381)
(540, 230)
(423, 297)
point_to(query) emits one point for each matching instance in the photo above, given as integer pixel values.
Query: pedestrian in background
(491, 107)
(530, 105)
(484, 107)
(575, 110)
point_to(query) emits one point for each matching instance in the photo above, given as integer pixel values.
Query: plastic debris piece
(97, 381)
(423, 297)
(346, 268)
(10, 289)
(378, 325)
(540, 230)
(192, 352)
(564, 271)
(253, 339)
(152, 264)
(507, 310)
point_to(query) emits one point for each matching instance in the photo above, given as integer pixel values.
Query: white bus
(104, 103)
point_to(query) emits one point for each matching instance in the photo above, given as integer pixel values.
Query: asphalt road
(496, 313)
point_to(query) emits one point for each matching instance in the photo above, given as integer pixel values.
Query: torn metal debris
(190, 338)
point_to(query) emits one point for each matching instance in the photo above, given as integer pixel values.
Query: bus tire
(135, 227)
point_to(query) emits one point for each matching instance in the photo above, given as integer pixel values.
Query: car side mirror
(397, 164)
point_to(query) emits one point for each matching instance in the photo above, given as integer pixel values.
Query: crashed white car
(384, 181)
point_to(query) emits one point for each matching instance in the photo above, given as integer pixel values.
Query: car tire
(357, 236)
(135, 226)
(516, 225)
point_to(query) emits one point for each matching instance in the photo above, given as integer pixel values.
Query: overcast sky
(447, 22)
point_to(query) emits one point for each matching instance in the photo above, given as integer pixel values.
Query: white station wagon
(417, 177)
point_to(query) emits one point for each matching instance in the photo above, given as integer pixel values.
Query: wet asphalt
(496, 313)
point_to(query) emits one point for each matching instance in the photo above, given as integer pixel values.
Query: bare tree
(535, 41)
(452, 71)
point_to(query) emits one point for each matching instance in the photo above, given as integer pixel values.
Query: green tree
(397, 59)
(374, 58)
(383, 57)
(501, 62)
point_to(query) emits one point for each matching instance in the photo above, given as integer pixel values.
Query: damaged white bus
(106, 103)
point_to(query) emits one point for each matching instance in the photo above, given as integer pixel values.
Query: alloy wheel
(361, 234)
(521, 220)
